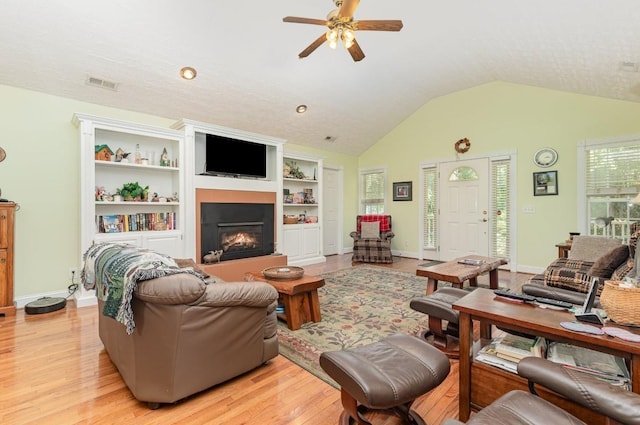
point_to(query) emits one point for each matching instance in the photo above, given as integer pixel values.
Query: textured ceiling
(250, 78)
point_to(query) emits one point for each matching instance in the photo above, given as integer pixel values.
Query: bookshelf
(153, 220)
(302, 199)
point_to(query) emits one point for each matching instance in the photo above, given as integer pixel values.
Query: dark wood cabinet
(7, 214)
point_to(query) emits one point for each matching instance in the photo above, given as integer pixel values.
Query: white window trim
(581, 186)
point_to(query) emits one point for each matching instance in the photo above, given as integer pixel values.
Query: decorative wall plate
(3, 154)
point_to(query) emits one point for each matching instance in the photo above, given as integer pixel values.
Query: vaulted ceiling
(250, 77)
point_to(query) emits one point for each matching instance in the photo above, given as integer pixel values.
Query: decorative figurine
(164, 158)
(212, 256)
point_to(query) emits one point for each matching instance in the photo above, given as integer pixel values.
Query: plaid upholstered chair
(372, 239)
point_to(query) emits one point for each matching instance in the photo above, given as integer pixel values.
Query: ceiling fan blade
(348, 8)
(378, 25)
(297, 20)
(356, 52)
(313, 46)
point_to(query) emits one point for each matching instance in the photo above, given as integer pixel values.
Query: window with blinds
(612, 181)
(500, 207)
(372, 191)
(430, 216)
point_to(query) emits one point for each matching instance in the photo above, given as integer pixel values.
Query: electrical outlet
(406, 244)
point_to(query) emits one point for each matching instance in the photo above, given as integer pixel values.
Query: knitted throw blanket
(114, 270)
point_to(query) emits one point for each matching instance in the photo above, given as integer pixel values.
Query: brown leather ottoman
(386, 375)
(438, 306)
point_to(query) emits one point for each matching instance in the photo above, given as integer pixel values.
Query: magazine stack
(595, 363)
(507, 350)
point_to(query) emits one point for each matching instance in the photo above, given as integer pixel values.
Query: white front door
(464, 208)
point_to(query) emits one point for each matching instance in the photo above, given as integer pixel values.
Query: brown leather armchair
(190, 336)
(520, 407)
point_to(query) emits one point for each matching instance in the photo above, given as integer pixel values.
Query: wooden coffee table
(299, 297)
(457, 274)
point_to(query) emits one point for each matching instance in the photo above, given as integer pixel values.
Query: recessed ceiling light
(301, 109)
(188, 73)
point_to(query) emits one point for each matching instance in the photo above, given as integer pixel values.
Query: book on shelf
(506, 351)
(111, 224)
(604, 366)
(517, 347)
(116, 223)
(489, 355)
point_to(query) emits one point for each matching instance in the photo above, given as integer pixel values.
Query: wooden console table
(481, 384)
(457, 274)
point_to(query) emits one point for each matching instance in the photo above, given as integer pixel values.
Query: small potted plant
(133, 192)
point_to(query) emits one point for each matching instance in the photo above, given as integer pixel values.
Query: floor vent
(103, 84)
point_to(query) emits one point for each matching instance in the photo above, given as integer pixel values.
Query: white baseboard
(20, 302)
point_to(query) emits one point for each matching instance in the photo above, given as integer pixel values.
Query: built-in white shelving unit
(302, 199)
(145, 223)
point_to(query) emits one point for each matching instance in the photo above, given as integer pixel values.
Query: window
(463, 173)
(500, 208)
(612, 180)
(372, 191)
(430, 216)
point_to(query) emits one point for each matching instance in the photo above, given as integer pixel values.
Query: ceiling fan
(342, 27)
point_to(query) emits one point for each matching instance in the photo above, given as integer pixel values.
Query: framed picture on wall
(545, 183)
(402, 191)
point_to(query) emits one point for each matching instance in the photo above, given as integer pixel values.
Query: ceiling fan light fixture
(188, 73)
(332, 35)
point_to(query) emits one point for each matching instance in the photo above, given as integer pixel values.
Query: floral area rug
(359, 305)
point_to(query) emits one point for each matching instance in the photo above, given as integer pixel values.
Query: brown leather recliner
(520, 407)
(190, 336)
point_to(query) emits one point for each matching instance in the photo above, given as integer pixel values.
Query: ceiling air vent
(103, 84)
(629, 66)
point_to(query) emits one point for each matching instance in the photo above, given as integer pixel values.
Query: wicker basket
(621, 304)
(283, 272)
(290, 219)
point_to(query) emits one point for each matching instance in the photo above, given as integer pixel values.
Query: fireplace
(239, 230)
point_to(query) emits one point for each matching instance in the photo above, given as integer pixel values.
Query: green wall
(501, 117)
(41, 171)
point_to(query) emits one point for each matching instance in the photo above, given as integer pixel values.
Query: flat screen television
(234, 157)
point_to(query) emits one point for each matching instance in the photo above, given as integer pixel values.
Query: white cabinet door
(169, 243)
(310, 241)
(292, 241)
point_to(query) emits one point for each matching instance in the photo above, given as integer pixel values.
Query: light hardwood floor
(54, 370)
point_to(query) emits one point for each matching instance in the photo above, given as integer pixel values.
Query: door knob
(484, 220)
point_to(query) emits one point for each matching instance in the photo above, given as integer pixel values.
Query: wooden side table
(563, 249)
(299, 296)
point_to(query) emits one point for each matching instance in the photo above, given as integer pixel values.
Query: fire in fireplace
(240, 230)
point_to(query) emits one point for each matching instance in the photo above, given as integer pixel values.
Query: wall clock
(545, 157)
